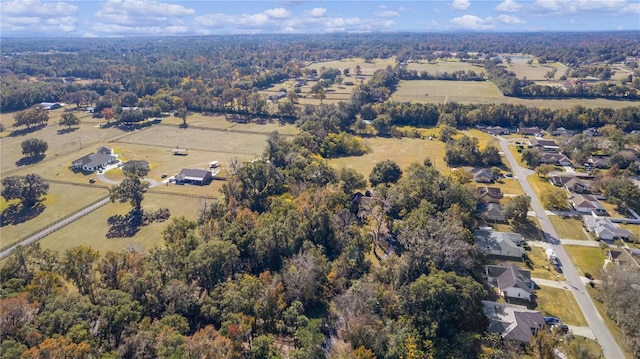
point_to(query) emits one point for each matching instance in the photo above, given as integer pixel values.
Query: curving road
(610, 348)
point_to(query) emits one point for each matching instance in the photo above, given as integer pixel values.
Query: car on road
(92, 180)
(164, 175)
(509, 175)
(552, 321)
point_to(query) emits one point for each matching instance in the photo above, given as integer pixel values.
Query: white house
(587, 204)
(498, 243)
(95, 161)
(605, 229)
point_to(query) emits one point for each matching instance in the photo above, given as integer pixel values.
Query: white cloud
(317, 12)
(278, 13)
(140, 17)
(35, 16)
(471, 22)
(605, 7)
(38, 8)
(508, 6)
(509, 19)
(460, 4)
(387, 13)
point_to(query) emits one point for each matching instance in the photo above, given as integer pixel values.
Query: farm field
(367, 68)
(61, 200)
(535, 71)
(403, 151)
(91, 230)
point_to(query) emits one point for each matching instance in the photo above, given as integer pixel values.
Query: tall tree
(385, 172)
(34, 147)
(28, 189)
(36, 115)
(108, 114)
(516, 208)
(69, 119)
(77, 266)
(131, 189)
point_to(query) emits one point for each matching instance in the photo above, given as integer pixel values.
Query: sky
(121, 18)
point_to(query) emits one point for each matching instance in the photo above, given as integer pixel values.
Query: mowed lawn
(404, 152)
(587, 259)
(560, 303)
(535, 71)
(60, 201)
(91, 230)
(568, 228)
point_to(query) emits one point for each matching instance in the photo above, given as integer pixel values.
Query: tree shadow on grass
(25, 161)
(17, 213)
(67, 130)
(128, 225)
(25, 131)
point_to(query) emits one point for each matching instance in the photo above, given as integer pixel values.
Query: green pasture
(91, 230)
(367, 68)
(440, 91)
(61, 200)
(568, 228)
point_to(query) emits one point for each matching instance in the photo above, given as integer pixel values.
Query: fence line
(181, 194)
(57, 221)
(78, 183)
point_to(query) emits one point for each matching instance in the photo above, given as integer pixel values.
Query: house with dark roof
(555, 159)
(561, 131)
(503, 244)
(626, 258)
(497, 130)
(531, 131)
(482, 175)
(588, 204)
(194, 176)
(104, 150)
(493, 212)
(511, 281)
(513, 322)
(545, 145)
(95, 161)
(490, 194)
(592, 132)
(599, 161)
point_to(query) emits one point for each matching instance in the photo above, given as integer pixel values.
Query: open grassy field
(197, 139)
(88, 136)
(440, 91)
(443, 65)
(403, 151)
(487, 93)
(560, 303)
(535, 71)
(91, 230)
(367, 68)
(61, 200)
(587, 259)
(568, 228)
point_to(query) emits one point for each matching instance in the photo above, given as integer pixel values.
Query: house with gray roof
(503, 244)
(194, 176)
(511, 281)
(588, 204)
(512, 322)
(95, 161)
(604, 229)
(482, 175)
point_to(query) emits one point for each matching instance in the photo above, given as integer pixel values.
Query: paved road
(45, 232)
(610, 348)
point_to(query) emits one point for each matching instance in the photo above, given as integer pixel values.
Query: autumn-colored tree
(108, 114)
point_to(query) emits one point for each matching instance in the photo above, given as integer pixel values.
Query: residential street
(610, 348)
